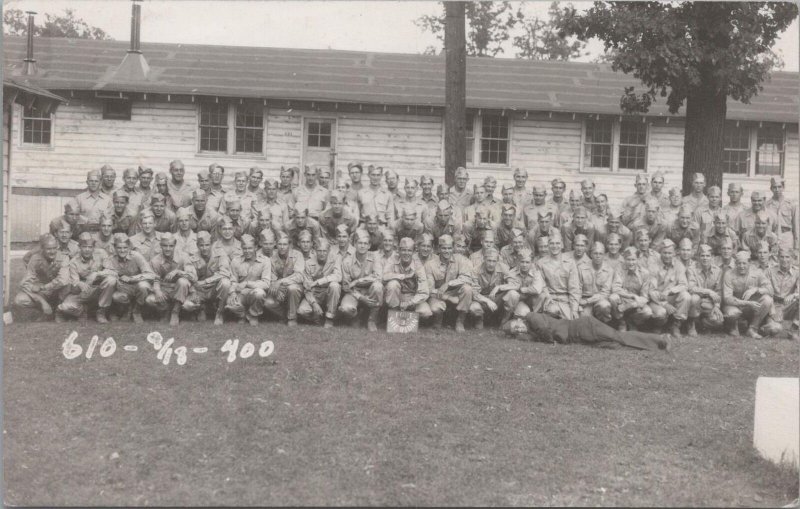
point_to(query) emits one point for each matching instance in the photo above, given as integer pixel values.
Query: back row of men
(312, 221)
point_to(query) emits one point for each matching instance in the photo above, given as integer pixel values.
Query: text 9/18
(165, 349)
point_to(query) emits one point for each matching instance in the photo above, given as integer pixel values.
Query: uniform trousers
(679, 300)
(327, 296)
(349, 305)
(175, 292)
(395, 297)
(246, 301)
(288, 295)
(202, 296)
(460, 297)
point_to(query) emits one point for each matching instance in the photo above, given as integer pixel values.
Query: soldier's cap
(777, 181)
(704, 249)
(489, 179)
(146, 213)
(491, 252)
(743, 256)
(520, 171)
(204, 236)
(598, 246)
(756, 195)
(685, 210)
(697, 177)
(121, 238)
(409, 213)
(721, 215)
(387, 233)
(426, 237)
(656, 175)
(256, 169)
(130, 171)
(161, 177)
(580, 238)
(613, 213)
(525, 254)
(63, 225)
(684, 242)
(537, 188)
(324, 170)
(506, 187)
(557, 181)
(263, 212)
(157, 197)
(106, 168)
(93, 173)
(342, 228)
(587, 182)
(216, 166)
(613, 236)
(118, 194)
(270, 184)
(183, 213)
(445, 240)
(712, 190)
(630, 251)
(425, 178)
(641, 232)
(283, 236)
(71, 206)
(734, 186)
(674, 191)
(389, 172)
(168, 238)
(461, 172)
(544, 215)
(406, 243)
(232, 200)
(489, 235)
(300, 209)
(225, 221)
(238, 174)
(284, 171)
(266, 235)
(304, 235)
(667, 243)
(144, 169)
(361, 235)
(355, 164)
(85, 238)
(641, 177)
(516, 232)
(337, 196)
(509, 206)
(762, 216)
(247, 240)
(762, 245)
(410, 182)
(203, 174)
(459, 239)
(198, 193)
(444, 205)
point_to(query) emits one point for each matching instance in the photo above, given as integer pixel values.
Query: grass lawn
(348, 417)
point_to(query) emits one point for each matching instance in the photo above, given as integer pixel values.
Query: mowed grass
(345, 417)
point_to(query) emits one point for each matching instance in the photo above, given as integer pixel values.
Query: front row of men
(321, 283)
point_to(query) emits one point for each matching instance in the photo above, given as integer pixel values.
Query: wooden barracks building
(146, 104)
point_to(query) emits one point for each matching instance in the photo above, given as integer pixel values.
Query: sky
(384, 26)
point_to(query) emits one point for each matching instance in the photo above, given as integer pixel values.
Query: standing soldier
(589, 201)
(444, 222)
(614, 258)
(683, 228)
(460, 195)
(83, 279)
(784, 211)
(596, 279)
(669, 296)
(175, 275)
(104, 238)
(375, 200)
(392, 181)
(287, 285)
(508, 223)
(630, 290)
(213, 280)
(752, 239)
(543, 228)
(580, 225)
(342, 247)
(648, 257)
(201, 217)
(657, 190)
(227, 241)
(185, 238)
(428, 197)
(324, 179)
(233, 215)
(450, 276)
(301, 222)
(250, 278)
(406, 282)
(145, 186)
(146, 242)
(747, 218)
(215, 193)
(784, 279)
(46, 278)
(120, 214)
(355, 171)
(522, 197)
(92, 203)
(108, 179)
(558, 187)
(539, 204)
(613, 225)
(130, 178)
(278, 209)
(362, 278)
(495, 288)
(66, 245)
(697, 198)
(600, 214)
(670, 213)
(531, 293)
(286, 186)
(254, 179)
(322, 284)
(704, 216)
(633, 206)
(408, 225)
(652, 222)
(165, 218)
(561, 280)
(178, 188)
(747, 296)
(705, 287)
(487, 243)
(127, 278)
(734, 207)
(311, 196)
(161, 181)
(512, 252)
(72, 217)
(239, 194)
(335, 215)
(719, 232)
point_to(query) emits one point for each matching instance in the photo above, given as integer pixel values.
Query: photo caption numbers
(71, 350)
(231, 346)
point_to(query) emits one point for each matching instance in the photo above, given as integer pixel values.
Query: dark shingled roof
(359, 77)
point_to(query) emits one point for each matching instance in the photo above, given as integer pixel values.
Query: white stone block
(776, 431)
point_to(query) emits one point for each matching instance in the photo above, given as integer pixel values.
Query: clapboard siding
(6, 204)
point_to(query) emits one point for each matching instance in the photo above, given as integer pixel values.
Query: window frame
(616, 128)
(31, 145)
(477, 137)
(752, 151)
(115, 116)
(231, 126)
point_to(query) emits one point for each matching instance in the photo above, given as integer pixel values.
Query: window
(492, 146)
(614, 145)
(752, 150)
(36, 126)
(116, 110)
(319, 134)
(231, 128)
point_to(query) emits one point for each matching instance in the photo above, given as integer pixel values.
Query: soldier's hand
(493, 293)
(159, 296)
(492, 305)
(669, 307)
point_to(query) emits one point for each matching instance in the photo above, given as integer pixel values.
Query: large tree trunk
(455, 90)
(703, 143)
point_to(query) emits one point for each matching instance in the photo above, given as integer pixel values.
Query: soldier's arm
(727, 291)
(146, 272)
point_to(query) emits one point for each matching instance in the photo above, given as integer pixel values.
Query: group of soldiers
(329, 250)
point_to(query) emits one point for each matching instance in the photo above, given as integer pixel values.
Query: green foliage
(55, 25)
(677, 48)
(492, 24)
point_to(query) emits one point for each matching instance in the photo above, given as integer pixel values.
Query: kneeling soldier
(532, 290)
(322, 283)
(669, 296)
(406, 281)
(747, 295)
(705, 287)
(213, 279)
(630, 292)
(362, 281)
(450, 276)
(287, 286)
(250, 278)
(127, 277)
(46, 278)
(595, 279)
(83, 279)
(784, 280)
(175, 275)
(495, 287)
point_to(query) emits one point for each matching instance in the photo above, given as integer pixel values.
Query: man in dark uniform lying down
(586, 329)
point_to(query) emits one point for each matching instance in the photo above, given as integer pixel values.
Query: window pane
(597, 147)
(36, 126)
(325, 140)
(632, 145)
(769, 157)
(736, 153)
(325, 128)
(494, 139)
(598, 131)
(214, 115)
(214, 139)
(249, 140)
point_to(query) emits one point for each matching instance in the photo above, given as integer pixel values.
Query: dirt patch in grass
(347, 417)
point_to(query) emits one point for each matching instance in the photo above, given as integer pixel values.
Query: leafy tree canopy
(15, 22)
(677, 47)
